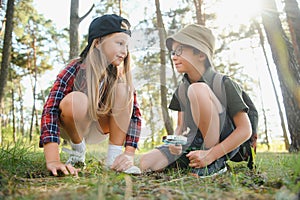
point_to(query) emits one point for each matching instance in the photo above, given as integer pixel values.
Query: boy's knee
(194, 90)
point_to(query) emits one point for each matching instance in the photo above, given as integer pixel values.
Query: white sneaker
(75, 157)
(133, 170)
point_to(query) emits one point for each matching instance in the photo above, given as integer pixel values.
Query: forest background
(257, 45)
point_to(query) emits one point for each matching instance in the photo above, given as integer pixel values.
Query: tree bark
(73, 28)
(287, 69)
(120, 7)
(13, 115)
(20, 94)
(1, 121)
(34, 87)
(293, 19)
(199, 14)
(6, 52)
(163, 88)
(284, 130)
(74, 24)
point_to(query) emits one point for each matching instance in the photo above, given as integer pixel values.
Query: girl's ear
(97, 42)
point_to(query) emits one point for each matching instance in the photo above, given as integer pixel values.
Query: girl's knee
(73, 98)
(74, 102)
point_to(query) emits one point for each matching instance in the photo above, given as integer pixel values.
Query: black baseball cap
(105, 25)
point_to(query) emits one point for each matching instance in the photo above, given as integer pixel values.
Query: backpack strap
(219, 89)
(182, 97)
(246, 151)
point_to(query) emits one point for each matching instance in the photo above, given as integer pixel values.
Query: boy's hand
(200, 158)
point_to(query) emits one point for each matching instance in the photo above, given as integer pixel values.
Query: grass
(23, 176)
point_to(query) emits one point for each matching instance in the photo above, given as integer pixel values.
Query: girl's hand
(123, 162)
(200, 158)
(55, 166)
(175, 149)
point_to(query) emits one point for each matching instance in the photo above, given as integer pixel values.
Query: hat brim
(190, 41)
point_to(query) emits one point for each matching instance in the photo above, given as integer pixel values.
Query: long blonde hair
(102, 79)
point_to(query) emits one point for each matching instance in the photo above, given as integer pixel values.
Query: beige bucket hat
(197, 36)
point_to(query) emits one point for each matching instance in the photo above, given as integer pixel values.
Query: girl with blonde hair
(93, 98)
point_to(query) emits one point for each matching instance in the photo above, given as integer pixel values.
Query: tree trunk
(1, 121)
(152, 128)
(6, 51)
(74, 24)
(120, 7)
(21, 110)
(3, 20)
(34, 88)
(163, 88)
(285, 136)
(13, 115)
(199, 15)
(293, 19)
(287, 69)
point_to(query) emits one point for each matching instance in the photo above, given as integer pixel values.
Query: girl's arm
(50, 116)
(49, 138)
(53, 163)
(134, 130)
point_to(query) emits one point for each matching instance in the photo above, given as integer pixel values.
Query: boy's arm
(179, 127)
(242, 132)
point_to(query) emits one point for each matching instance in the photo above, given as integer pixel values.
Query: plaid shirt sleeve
(62, 86)
(134, 131)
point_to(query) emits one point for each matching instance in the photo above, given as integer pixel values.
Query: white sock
(78, 147)
(112, 153)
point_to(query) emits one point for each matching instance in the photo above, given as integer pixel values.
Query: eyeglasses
(178, 50)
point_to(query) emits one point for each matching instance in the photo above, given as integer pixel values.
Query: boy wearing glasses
(213, 132)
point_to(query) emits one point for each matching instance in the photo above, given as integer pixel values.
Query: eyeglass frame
(179, 49)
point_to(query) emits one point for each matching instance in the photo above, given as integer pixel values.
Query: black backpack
(247, 151)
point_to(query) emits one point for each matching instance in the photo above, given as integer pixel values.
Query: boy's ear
(202, 56)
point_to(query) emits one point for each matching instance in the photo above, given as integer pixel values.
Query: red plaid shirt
(63, 85)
